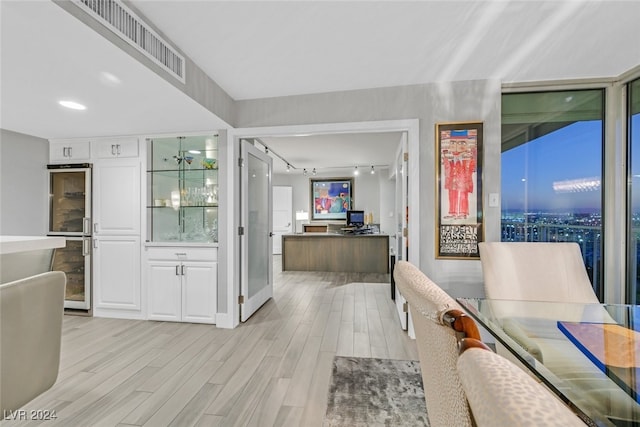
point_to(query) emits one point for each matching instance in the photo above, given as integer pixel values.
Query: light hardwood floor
(273, 370)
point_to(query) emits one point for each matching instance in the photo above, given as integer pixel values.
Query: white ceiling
(266, 48)
(337, 153)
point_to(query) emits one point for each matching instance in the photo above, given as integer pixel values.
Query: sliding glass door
(551, 170)
(633, 204)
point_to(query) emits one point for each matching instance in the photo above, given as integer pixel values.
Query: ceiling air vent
(123, 22)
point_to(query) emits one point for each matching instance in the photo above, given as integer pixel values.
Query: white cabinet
(66, 151)
(182, 284)
(116, 274)
(117, 203)
(117, 148)
(165, 291)
(199, 288)
(116, 232)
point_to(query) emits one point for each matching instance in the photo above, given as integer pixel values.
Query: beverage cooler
(70, 216)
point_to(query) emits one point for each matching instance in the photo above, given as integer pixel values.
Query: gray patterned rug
(375, 392)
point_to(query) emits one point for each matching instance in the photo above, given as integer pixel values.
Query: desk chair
(439, 323)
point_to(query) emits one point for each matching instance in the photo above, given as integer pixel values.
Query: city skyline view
(556, 173)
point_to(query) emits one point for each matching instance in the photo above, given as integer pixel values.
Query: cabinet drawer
(181, 253)
(117, 147)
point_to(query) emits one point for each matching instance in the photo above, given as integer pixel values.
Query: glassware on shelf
(183, 175)
(208, 163)
(188, 159)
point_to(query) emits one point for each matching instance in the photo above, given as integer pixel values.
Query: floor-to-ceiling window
(633, 244)
(551, 167)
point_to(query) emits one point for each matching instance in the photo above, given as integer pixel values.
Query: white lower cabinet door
(199, 292)
(117, 272)
(165, 290)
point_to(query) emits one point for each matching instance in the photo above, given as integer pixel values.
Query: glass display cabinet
(182, 189)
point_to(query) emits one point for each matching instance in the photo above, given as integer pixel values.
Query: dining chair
(535, 271)
(549, 272)
(501, 394)
(31, 312)
(439, 322)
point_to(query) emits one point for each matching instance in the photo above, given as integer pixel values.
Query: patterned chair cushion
(502, 394)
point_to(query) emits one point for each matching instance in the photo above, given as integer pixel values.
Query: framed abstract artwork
(331, 198)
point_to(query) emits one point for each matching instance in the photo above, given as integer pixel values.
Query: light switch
(494, 200)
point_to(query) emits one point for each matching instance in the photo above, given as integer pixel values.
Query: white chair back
(437, 347)
(535, 271)
(31, 312)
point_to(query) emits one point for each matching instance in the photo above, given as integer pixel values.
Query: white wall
(23, 184)
(430, 103)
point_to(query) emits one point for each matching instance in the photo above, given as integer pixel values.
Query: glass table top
(589, 354)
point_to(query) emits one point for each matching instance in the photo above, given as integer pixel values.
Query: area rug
(375, 392)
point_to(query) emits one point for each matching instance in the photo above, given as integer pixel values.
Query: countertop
(335, 235)
(14, 244)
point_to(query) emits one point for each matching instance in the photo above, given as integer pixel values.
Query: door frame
(228, 313)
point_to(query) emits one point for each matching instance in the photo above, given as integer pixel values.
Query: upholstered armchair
(439, 323)
(31, 312)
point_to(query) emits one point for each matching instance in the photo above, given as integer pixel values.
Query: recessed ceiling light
(109, 79)
(72, 105)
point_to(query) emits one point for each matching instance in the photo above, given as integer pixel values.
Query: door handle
(86, 224)
(86, 246)
(177, 270)
(271, 234)
(113, 149)
(182, 270)
(118, 149)
(70, 154)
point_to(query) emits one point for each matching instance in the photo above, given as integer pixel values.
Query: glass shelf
(182, 189)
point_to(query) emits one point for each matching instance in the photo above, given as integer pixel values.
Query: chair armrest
(467, 343)
(464, 326)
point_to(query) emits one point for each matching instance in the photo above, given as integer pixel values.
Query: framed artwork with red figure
(459, 219)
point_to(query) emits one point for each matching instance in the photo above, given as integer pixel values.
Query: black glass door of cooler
(74, 261)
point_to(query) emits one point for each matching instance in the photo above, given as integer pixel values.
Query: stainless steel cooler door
(70, 202)
(75, 261)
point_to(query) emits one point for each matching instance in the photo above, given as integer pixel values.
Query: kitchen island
(24, 256)
(349, 253)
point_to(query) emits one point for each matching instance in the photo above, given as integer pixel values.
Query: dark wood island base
(351, 253)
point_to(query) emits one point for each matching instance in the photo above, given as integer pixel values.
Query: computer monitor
(355, 218)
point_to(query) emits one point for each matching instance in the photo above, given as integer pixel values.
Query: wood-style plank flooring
(273, 370)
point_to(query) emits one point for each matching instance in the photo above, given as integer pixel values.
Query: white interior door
(256, 261)
(282, 215)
